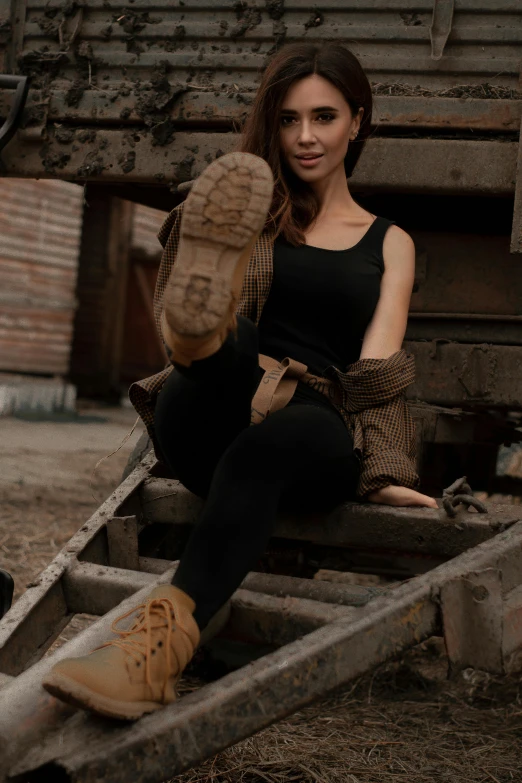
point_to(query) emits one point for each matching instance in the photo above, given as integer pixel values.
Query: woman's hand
(401, 496)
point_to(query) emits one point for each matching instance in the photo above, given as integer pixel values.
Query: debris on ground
(403, 723)
(406, 722)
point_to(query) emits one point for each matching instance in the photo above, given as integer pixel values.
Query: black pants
(300, 457)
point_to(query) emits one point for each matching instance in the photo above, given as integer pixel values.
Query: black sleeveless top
(321, 302)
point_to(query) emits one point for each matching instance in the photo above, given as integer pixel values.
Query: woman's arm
(387, 328)
(385, 334)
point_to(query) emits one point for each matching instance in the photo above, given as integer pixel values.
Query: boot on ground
(137, 672)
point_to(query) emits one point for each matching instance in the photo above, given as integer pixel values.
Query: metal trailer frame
(312, 636)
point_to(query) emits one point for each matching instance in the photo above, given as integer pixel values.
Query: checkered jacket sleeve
(376, 412)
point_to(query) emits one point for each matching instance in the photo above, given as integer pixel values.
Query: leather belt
(278, 385)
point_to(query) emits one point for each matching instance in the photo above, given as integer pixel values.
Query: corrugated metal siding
(147, 223)
(40, 225)
(218, 44)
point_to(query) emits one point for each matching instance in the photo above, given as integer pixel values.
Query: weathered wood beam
(208, 720)
(94, 589)
(420, 531)
(402, 165)
(206, 109)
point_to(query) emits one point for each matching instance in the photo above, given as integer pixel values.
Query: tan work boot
(138, 672)
(223, 216)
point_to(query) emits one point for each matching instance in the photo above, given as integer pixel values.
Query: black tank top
(321, 302)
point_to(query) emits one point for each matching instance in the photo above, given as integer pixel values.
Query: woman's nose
(306, 134)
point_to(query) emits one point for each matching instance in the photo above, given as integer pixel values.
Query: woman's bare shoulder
(398, 252)
(397, 237)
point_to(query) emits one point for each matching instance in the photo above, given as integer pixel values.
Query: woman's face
(316, 127)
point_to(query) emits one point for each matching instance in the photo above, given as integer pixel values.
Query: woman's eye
(325, 117)
(286, 120)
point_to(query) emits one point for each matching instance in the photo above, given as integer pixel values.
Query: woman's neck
(334, 195)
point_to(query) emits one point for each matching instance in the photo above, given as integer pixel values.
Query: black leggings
(300, 457)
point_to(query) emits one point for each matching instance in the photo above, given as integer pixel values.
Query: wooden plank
(400, 165)
(466, 374)
(93, 589)
(417, 531)
(472, 616)
(203, 723)
(102, 285)
(122, 539)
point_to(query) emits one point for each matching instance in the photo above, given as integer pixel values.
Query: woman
(327, 285)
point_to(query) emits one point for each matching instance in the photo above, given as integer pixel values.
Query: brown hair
(295, 205)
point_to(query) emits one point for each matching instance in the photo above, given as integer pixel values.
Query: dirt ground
(404, 723)
(47, 485)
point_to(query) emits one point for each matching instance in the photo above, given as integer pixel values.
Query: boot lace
(154, 613)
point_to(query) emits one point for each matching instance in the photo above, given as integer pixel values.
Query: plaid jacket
(372, 390)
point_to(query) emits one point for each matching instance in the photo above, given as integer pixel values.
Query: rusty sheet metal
(208, 720)
(455, 374)
(469, 276)
(438, 112)
(40, 226)
(205, 108)
(98, 65)
(214, 42)
(421, 531)
(419, 165)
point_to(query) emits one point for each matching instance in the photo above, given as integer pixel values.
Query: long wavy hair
(295, 205)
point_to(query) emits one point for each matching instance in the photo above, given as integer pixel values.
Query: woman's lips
(308, 163)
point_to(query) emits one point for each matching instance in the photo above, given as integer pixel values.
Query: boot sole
(77, 695)
(223, 215)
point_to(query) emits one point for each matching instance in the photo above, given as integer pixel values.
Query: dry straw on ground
(405, 723)
(476, 91)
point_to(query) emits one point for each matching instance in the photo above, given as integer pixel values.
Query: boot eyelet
(153, 651)
(138, 663)
(160, 644)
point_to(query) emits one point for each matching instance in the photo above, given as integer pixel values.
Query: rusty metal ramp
(457, 573)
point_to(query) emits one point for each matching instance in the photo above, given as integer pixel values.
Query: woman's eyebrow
(316, 110)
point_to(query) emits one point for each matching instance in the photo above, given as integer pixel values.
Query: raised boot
(222, 218)
(138, 672)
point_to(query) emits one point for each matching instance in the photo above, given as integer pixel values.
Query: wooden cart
(457, 571)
